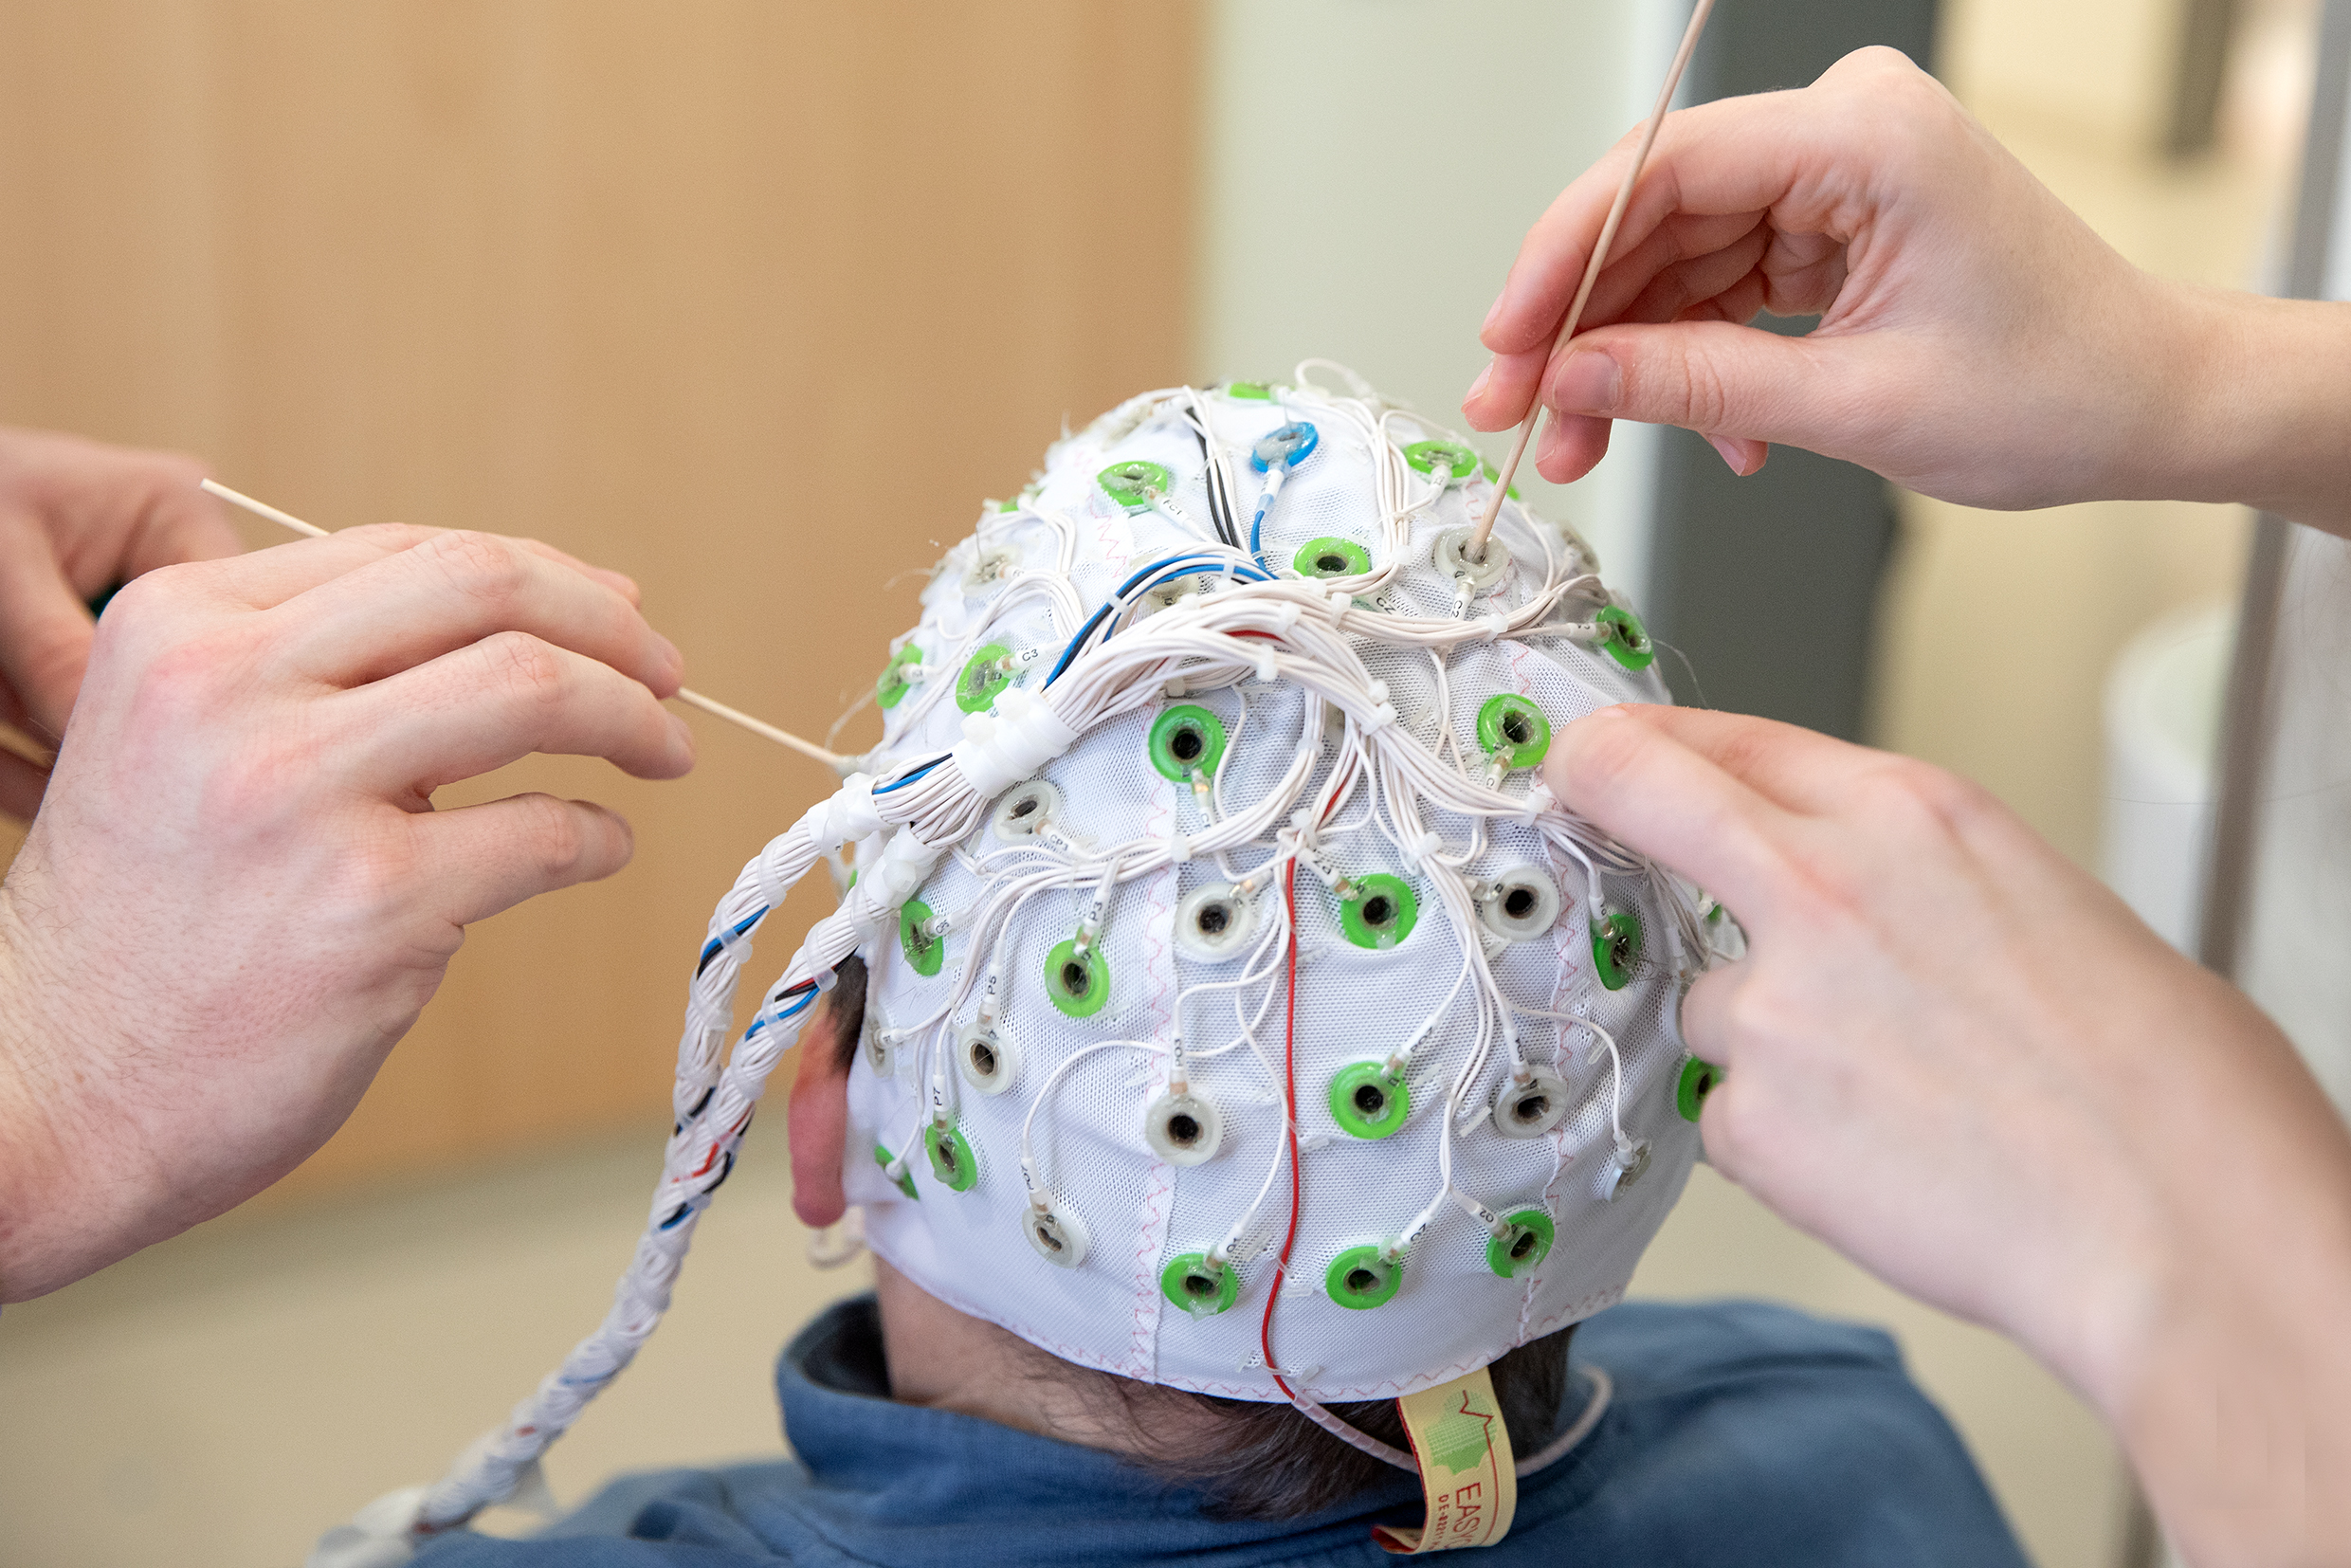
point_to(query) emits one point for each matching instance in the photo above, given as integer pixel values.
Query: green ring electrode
(883, 1158)
(1367, 1100)
(952, 1159)
(1522, 1249)
(1200, 1288)
(925, 952)
(1381, 913)
(1616, 947)
(1627, 641)
(1131, 484)
(1062, 966)
(1331, 557)
(1513, 729)
(1359, 1279)
(889, 687)
(1252, 391)
(1699, 1079)
(1187, 741)
(1423, 456)
(1491, 472)
(984, 679)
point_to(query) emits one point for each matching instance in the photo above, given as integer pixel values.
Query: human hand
(1978, 342)
(77, 518)
(239, 896)
(1960, 1060)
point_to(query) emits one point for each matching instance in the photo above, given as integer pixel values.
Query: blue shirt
(1739, 1434)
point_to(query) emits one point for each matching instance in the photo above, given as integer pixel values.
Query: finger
(1669, 275)
(45, 628)
(176, 523)
(483, 859)
(1798, 770)
(1569, 447)
(264, 578)
(504, 698)
(1775, 153)
(1677, 245)
(21, 784)
(1643, 787)
(1723, 379)
(451, 589)
(1707, 1009)
(1742, 456)
(1503, 391)
(1673, 289)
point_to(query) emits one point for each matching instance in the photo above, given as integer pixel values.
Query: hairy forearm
(2265, 406)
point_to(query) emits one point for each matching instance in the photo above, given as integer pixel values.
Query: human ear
(817, 1121)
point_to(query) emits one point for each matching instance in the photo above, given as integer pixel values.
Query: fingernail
(1477, 386)
(1493, 310)
(1589, 382)
(677, 660)
(1732, 454)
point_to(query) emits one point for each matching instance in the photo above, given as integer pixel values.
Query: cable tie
(1423, 847)
(1378, 719)
(1495, 624)
(845, 816)
(1021, 735)
(1178, 847)
(1537, 800)
(1286, 615)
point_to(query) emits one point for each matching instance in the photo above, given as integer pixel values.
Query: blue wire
(792, 1011)
(1174, 565)
(1257, 523)
(902, 783)
(717, 943)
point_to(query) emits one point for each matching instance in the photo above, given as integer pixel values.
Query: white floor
(220, 1398)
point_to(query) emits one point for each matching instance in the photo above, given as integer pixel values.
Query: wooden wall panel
(754, 300)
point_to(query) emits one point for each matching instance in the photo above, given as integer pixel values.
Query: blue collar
(932, 1486)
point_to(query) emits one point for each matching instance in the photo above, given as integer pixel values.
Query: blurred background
(758, 301)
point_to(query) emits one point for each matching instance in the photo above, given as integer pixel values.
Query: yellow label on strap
(1467, 1470)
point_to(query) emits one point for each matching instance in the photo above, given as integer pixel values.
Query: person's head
(1255, 1460)
(1238, 1022)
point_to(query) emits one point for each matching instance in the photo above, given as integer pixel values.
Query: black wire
(1219, 503)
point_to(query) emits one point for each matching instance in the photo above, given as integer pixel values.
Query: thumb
(1714, 377)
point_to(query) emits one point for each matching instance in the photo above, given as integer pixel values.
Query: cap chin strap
(1467, 1470)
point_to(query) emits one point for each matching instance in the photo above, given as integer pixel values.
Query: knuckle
(524, 668)
(1917, 797)
(481, 565)
(392, 536)
(381, 870)
(555, 833)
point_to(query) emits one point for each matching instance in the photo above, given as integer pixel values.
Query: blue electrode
(1274, 456)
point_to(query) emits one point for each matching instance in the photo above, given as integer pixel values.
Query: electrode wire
(1475, 549)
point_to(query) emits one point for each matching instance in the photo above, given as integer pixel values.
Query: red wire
(1290, 1107)
(1289, 1096)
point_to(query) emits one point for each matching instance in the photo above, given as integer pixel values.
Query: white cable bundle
(1066, 643)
